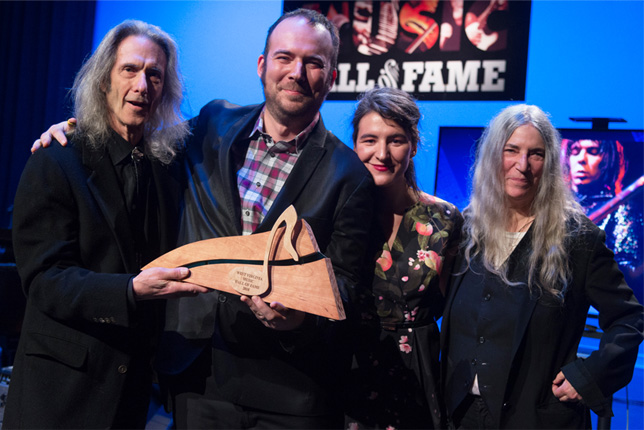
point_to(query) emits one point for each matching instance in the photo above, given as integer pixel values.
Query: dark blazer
(84, 347)
(546, 338)
(285, 372)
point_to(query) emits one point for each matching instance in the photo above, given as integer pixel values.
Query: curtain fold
(42, 46)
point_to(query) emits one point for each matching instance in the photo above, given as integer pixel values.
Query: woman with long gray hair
(530, 265)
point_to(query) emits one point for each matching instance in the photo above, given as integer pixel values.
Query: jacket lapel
(460, 265)
(518, 270)
(167, 189)
(302, 171)
(104, 186)
(237, 133)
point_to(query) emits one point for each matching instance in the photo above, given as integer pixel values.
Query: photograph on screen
(604, 168)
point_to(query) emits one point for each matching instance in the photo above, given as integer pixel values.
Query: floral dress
(393, 382)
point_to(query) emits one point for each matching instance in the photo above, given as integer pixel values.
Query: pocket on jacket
(556, 414)
(69, 353)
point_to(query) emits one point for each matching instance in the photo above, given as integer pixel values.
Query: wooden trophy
(292, 270)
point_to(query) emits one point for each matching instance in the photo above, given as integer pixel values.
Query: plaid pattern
(266, 167)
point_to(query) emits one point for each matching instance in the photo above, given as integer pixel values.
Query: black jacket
(84, 346)
(546, 338)
(286, 372)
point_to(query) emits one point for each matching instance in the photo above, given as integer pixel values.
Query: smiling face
(297, 72)
(523, 158)
(385, 149)
(136, 84)
(585, 162)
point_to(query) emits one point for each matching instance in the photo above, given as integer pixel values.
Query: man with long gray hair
(242, 363)
(98, 216)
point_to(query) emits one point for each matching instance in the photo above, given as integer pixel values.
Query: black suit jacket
(84, 347)
(286, 372)
(547, 336)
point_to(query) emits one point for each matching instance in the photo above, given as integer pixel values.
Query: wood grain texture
(306, 286)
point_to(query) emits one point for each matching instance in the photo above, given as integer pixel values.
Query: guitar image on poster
(416, 21)
(476, 25)
(423, 48)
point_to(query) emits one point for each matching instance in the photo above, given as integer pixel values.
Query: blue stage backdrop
(571, 70)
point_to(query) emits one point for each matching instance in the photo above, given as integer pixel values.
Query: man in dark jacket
(234, 363)
(241, 363)
(85, 221)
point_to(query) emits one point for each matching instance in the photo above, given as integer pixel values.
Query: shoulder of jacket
(221, 106)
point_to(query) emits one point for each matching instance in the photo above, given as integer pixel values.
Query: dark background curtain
(42, 46)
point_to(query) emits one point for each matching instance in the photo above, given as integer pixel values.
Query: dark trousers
(198, 404)
(472, 414)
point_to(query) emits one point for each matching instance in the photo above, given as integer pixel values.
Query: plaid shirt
(266, 167)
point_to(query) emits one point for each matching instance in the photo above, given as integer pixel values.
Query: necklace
(529, 221)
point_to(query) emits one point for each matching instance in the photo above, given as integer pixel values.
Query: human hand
(160, 283)
(275, 315)
(562, 389)
(55, 131)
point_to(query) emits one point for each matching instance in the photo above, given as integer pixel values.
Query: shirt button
(488, 297)
(122, 369)
(481, 339)
(247, 213)
(258, 184)
(221, 299)
(272, 155)
(474, 362)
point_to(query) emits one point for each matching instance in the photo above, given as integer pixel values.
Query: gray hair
(166, 129)
(553, 206)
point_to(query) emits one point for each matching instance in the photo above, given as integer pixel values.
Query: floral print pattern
(421, 241)
(402, 357)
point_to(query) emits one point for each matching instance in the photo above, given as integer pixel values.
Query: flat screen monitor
(605, 169)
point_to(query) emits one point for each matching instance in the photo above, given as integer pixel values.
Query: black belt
(392, 326)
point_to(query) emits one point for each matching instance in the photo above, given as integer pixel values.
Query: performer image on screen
(231, 363)
(595, 170)
(529, 267)
(596, 167)
(86, 219)
(395, 380)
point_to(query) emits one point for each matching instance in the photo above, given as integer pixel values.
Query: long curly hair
(487, 215)
(166, 129)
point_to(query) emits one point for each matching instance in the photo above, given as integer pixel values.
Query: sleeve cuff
(131, 301)
(579, 377)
